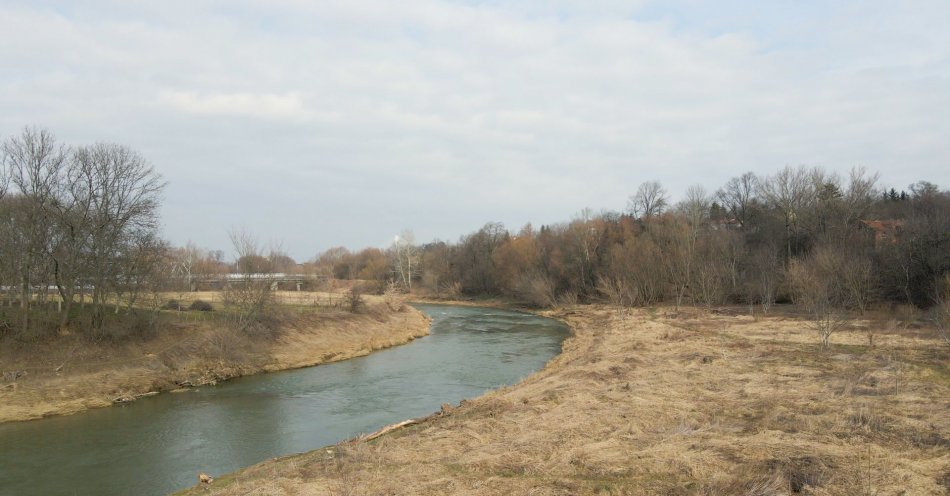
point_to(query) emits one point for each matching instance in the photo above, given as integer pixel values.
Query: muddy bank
(654, 403)
(71, 375)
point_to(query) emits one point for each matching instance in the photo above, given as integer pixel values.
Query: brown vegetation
(68, 374)
(703, 403)
(735, 246)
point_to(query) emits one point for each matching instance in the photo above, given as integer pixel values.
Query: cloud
(268, 105)
(343, 122)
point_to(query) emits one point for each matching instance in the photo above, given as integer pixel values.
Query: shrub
(536, 289)
(201, 306)
(354, 300)
(172, 304)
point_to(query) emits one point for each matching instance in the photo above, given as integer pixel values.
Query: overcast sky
(343, 123)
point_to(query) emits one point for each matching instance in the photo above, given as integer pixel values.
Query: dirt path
(653, 404)
(70, 375)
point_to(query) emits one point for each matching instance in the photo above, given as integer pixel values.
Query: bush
(354, 301)
(172, 304)
(122, 328)
(537, 290)
(201, 306)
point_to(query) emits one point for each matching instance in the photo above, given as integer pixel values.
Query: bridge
(279, 281)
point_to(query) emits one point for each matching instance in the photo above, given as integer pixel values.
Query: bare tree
(817, 287)
(280, 261)
(4, 177)
(765, 275)
(335, 262)
(695, 206)
(536, 289)
(640, 262)
(475, 258)
(251, 293)
(717, 261)
(406, 259)
(681, 239)
(858, 278)
(35, 164)
(142, 263)
(671, 236)
(860, 195)
(738, 196)
(70, 241)
(124, 194)
(650, 200)
(583, 236)
(618, 292)
(942, 310)
(789, 191)
(186, 259)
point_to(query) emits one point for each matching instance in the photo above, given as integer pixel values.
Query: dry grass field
(69, 374)
(693, 404)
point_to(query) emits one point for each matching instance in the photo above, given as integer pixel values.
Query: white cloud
(441, 115)
(288, 105)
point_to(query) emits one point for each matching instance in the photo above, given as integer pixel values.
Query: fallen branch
(68, 357)
(126, 398)
(385, 430)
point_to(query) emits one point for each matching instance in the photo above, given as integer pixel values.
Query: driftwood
(13, 375)
(386, 430)
(69, 356)
(126, 398)
(446, 409)
(205, 478)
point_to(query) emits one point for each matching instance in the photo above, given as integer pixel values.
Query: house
(884, 231)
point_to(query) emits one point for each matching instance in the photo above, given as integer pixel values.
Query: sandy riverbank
(697, 403)
(69, 374)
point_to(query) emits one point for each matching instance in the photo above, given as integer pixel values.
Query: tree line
(78, 224)
(801, 234)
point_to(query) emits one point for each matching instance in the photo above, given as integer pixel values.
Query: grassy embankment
(705, 404)
(62, 375)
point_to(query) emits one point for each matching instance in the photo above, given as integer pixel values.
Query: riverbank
(70, 374)
(695, 403)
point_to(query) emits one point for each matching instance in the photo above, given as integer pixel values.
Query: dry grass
(697, 404)
(70, 374)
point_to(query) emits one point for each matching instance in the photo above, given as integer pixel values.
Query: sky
(318, 124)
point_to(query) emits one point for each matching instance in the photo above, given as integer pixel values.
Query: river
(158, 445)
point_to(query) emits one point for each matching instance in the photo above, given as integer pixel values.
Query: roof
(883, 225)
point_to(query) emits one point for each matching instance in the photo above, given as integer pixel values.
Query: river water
(158, 445)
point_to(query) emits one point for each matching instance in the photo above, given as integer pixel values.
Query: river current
(158, 445)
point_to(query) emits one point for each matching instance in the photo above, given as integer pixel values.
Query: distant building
(727, 224)
(884, 231)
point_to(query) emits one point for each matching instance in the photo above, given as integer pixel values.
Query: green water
(158, 445)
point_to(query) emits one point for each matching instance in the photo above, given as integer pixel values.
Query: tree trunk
(25, 303)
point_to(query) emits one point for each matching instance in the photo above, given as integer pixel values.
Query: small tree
(709, 282)
(942, 310)
(406, 259)
(618, 292)
(393, 297)
(537, 289)
(251, 293)
(4, 177)
(816, 286)
(764, 276)
(650, 200)
(354, 300)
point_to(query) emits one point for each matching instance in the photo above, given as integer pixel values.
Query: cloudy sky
(343, 123)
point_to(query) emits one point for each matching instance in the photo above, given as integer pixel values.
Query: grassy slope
(697, 404)
(71, 374)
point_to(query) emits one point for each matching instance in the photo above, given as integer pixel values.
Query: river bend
(158, 445)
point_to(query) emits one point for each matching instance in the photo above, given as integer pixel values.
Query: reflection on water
(158, 445)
